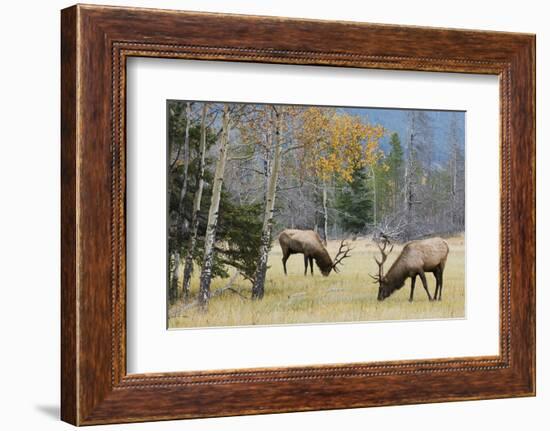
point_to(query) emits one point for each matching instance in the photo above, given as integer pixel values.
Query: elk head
(383, 288)
(343, 252)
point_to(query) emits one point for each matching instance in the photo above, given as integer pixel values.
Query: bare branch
(294, 147)
(242, 158)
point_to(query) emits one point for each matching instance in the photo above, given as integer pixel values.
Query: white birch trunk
(375, 197)
(206, 273)
(325, 213)
(188, 268)
(183, 192)
(265, 245)
(174, 279)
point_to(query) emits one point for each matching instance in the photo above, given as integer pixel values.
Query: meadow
(348, 296)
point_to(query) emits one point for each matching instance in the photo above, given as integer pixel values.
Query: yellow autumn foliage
(336, 143)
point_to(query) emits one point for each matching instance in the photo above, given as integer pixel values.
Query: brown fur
(416, 258)
(308, 243)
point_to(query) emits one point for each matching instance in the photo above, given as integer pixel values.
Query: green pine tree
(395, 163)
(354, 203)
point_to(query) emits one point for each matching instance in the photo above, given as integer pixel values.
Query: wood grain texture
(69, 366)
(96, 41)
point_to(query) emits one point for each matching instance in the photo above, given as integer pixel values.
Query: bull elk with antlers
(416, 258)
(308, 243)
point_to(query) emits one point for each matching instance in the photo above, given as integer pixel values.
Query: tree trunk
(454, 186)
(206, 273)
(265, 245)
(375, 196)
(174, 280)
(188, 269)
(325, 213)
(183, 191)
(409, 195)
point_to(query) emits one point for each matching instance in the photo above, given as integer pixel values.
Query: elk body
(309, 243)
(416, 258)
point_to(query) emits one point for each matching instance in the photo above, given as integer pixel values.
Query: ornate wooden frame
(95, 43)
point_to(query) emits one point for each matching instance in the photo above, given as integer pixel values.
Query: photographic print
(295, 214)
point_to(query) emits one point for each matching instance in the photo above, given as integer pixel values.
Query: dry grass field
(349, 296)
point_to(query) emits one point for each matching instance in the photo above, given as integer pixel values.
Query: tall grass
(348, 296)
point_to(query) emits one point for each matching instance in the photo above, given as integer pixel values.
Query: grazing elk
(416, 258)
(309, 243)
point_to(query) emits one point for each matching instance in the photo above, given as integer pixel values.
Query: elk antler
(343, 252)
(385, 241)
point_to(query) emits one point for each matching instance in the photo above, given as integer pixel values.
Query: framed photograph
(264, 215)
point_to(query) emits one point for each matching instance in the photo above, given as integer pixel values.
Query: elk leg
(425, 284)
(440, 283)
(311, 264)
(305, 263)
(413, 280)
(285, 258)
(436, 275)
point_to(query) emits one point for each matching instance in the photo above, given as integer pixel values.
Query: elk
(416, 258)
(309, 243)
